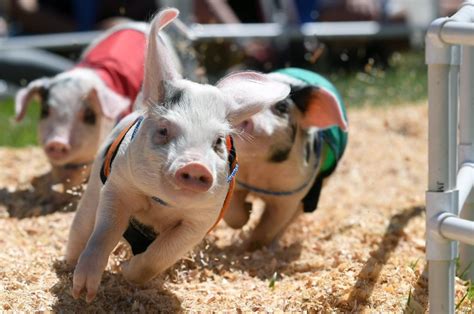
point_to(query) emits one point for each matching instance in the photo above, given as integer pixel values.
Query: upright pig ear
(321, 108)
(110, 104)
(252, 92)
(25, 95)
(159, 66)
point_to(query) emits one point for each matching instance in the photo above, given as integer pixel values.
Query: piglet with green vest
(287, 152)
(165, 175)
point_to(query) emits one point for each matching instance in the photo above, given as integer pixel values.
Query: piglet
(287, 152)
(80, 107)
(165, 174)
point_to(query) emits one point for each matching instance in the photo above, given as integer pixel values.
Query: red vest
(119, 60)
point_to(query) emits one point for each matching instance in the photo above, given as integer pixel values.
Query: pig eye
(281, 108)
(44, 113)
(89, 116)
(163, 132)
(218, 144)
(161, 136)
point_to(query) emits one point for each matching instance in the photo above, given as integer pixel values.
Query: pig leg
(84, 220)
(112, 220)
(278, 214)
(169, 247)
(239, 210)
(296, 214)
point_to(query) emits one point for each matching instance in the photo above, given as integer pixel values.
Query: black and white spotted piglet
(286, 151)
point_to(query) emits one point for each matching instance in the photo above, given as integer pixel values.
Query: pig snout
(246, 126)
(194, 177)
(57, 149)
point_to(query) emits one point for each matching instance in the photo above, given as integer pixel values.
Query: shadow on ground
(37, 200)
(114, 295)
(418, 302)
(367, 277)
(224, 262)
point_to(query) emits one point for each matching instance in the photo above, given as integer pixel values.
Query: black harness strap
(139, 236)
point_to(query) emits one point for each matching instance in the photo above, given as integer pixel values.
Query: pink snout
(57, 149)
(194, 177)
(246, 126)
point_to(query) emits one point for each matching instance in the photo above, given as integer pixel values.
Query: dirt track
(363, 249)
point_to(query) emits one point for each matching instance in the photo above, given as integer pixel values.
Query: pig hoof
(86, 277)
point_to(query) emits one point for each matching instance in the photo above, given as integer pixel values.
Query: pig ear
(110, 104)
(25, 95)
(252, 92)
(321, 108)
(159, 66)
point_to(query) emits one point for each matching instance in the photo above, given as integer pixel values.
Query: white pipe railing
(450, 163)
(458, 33)
(457, 229)
(464, 184)
(212, 32)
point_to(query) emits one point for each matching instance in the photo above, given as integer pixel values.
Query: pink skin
(57, 148)
(63, 133)
(246, 126)
(195, 177)
(78, 110)
(177, 153)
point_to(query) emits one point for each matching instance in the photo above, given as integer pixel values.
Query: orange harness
(138, 235)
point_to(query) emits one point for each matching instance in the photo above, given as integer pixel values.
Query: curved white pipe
(465, 182)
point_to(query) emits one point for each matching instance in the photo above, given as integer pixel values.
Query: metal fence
(449, 199)
(213, 32)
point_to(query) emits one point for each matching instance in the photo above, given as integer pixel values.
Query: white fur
(72, 91)
(195, 116)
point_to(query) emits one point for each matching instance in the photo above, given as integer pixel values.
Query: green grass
(404, 81)
(468, 297)
(16, 134)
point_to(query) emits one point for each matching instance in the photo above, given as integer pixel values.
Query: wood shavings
(361, 251)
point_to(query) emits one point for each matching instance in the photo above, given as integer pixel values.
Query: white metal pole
(464, 183)
(466, 251)
(442, 165)
(466, 154)
(442, 196)
(440, 179)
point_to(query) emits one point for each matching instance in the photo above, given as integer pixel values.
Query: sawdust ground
(361, 251)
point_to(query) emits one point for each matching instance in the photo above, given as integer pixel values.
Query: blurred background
(372, 50)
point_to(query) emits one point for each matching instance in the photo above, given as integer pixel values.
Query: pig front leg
(112, 220)
(84, 220)
(168, 247)
(239, 210)
(278, 214)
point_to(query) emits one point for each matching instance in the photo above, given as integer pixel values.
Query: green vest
(334, 139)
